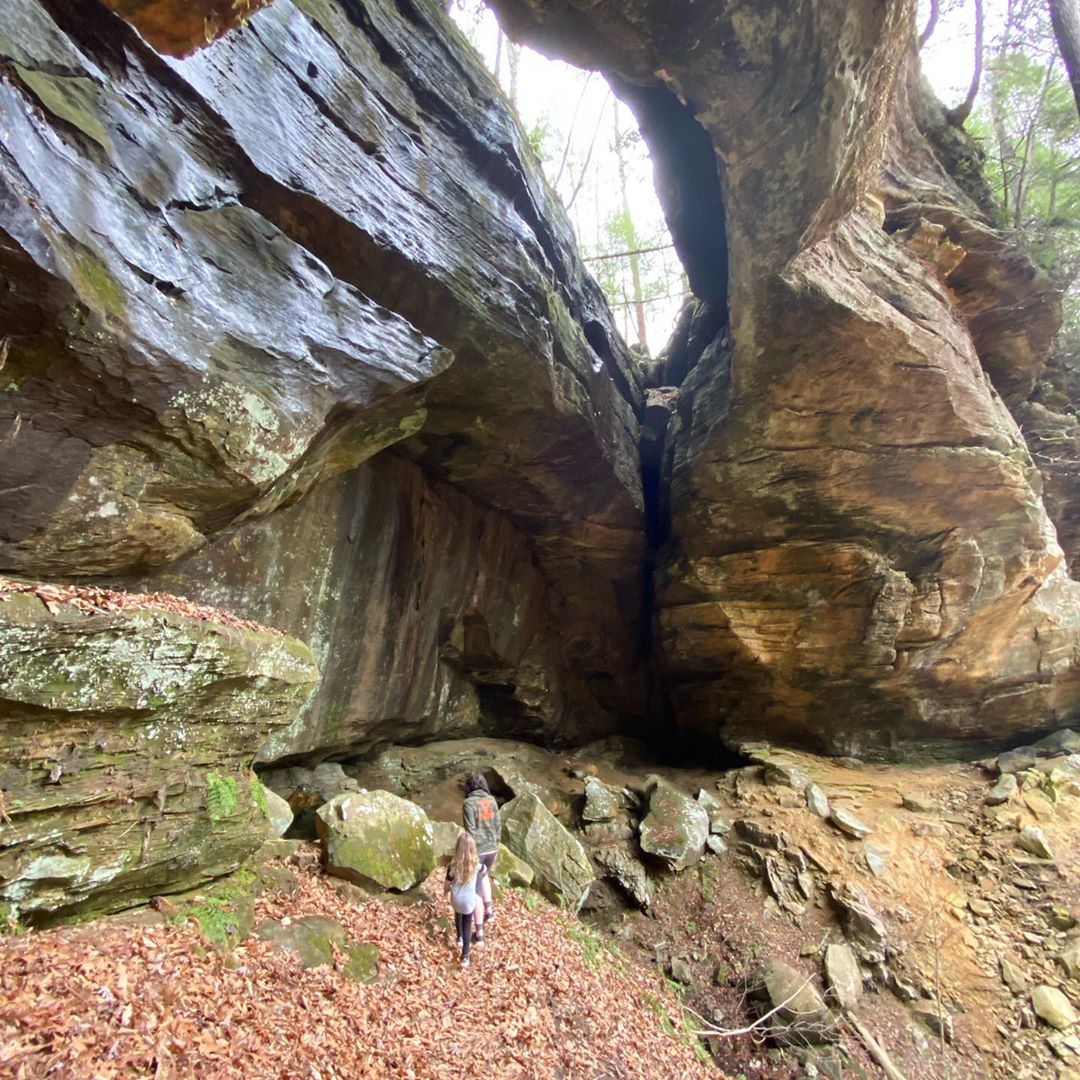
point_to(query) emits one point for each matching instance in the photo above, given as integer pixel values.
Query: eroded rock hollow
(294, 326)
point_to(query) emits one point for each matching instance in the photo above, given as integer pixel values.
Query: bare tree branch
(962, 111)
(931, 22)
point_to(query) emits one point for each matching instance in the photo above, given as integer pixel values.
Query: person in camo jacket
(481, 817)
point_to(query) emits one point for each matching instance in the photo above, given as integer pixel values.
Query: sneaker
(465, 962)
(458, 943)
(478, 939)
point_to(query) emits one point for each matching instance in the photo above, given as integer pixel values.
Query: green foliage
(1027, 125)
(217, 920)
(220, 796)
(596, 950)
(258, 795)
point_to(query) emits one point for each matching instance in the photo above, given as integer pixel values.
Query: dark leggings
(463, 926)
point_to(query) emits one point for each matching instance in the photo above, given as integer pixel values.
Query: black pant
(463, 926)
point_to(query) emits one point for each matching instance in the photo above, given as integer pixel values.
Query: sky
(568, 110)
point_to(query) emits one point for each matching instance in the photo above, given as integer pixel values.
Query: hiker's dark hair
(477, 782)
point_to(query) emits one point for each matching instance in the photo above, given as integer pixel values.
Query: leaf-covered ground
(541, 1000)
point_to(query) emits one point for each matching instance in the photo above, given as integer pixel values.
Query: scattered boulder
(559, 861)
(1033, 840)
(982, 908)
(860, 922)
(377, 837)
(314, 938)
(1051, 1005)
(679, 969)
(619, 862)
(1002, 791)
(759, 836)
(279, 815)
(1014, 761)
(716, 845)
(876, 859)
(933, 1016)
(602, 803)
(707, 801)
(918, 804)
(306, 789)
(842, 975)
(509, 868)
(817, 802)
(1070, 958)
(799, 1008)
(1012, 976)
(784, 774)
(444, 836)
(849, 823)
(675, 828)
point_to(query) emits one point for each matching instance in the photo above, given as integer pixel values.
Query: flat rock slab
(849, 823)
(817, 802)
(842, 975)
(1002, 791)
(797, 1002)
(675, 828)
(602, 802)
(375, 837)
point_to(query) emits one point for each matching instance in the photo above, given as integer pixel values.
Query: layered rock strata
(125, 747)
(238, 274)
(858, 556)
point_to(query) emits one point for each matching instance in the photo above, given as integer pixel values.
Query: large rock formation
(235, 275)
(248, 248)
(126, 739)
(858, 554)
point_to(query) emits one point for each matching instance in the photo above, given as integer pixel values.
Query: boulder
(1002, 791)
(675, 828)
(1033, 840)
(1013, 976)
(602, 802)
(1070, 958)
(799, 1008)
(306, 789)
(444, 836)
(716, 845)
(313, 938)
(621, 863)
(849, 823)
(376, 838)
(512, 870)
(919, 804)
(842, 975)
(785, 774)
(126, 736)
(559, 861)
(1051, 1005)
(860, 922)
(817, 802)
(278, 812)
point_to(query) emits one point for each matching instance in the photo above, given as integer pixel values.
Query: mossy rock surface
(313, 939)
(509, 868)
(125, 741)
(375, 837)
(533, 834)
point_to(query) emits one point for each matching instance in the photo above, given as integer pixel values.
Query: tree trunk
(1065, 16)
(931, 22)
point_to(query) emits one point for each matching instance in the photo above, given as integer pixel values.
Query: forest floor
(543, 998)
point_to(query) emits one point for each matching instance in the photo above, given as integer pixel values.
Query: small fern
(258, 795)
(220, 796)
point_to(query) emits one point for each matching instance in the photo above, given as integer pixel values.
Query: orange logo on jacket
(486, 809)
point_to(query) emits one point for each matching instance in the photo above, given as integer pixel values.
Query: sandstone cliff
(293, 325)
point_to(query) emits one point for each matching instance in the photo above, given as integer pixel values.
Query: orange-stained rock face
(857, 555)
(179, 27)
